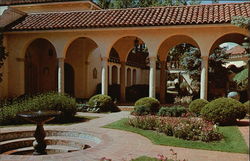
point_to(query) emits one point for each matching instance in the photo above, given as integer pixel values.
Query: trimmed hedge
(247, 105)
(102, 103)
(224, 111)
(146, 105)
(174, 111)
(196, 106)
(46, 101)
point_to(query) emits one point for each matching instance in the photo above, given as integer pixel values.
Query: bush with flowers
(184, 128)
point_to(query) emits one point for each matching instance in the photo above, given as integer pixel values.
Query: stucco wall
(94, 62)
(204, 36)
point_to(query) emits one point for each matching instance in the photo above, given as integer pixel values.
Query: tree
(105, 4)
(3, 53)
(124, 3)
(240, 21)
(215, 1)
(191, 62)
(217, 72)
(241, 78)
(180, 2)
(148, 3)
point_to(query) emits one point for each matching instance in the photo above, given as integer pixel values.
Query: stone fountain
(39, 117)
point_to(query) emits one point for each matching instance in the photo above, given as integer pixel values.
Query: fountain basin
(20, 143)
(39, 118)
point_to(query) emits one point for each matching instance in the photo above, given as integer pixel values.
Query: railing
(174, 65)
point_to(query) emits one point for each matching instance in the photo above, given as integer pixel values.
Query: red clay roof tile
(154, 16)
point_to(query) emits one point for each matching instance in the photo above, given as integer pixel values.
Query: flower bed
(184, 128)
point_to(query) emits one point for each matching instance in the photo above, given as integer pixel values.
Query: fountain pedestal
(39, 117)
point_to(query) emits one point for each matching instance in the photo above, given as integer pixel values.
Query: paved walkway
(121, 145)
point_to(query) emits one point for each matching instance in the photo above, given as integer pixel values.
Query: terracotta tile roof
(237, 50)
(154, 16)
(18, 2)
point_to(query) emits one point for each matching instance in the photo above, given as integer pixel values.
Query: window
(94, 73)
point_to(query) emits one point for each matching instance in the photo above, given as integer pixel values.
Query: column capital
(104, 59)
(61, 59)
(122, 63)
(204, 57)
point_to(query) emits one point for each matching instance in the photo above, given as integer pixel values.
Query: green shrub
(144, 122)
(102, 103)
(141, 110)
(150, 103)
(196, 106)
(224, 111)
(247, 105)
(196, 129)
(174, 111)
(47, 101)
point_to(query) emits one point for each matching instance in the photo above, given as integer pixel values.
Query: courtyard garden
(200, 124)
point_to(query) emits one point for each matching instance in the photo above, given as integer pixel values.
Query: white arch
(28, 42)
(72, 39)
(220, 37)
(185, 39)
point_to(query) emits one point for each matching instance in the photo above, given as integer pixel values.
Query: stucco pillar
(163, 82)
(118, 75)
(105, 75)
(60, 75)
(152, 76)
(204, 77)
(110, 74)
(122, 81)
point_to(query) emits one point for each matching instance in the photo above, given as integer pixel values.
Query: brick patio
(122, 145)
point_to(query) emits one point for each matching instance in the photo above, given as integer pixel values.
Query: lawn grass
(145, 158)
(232, 142)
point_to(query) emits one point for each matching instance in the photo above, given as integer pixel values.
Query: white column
(61, 75)
(110, 74)
(204, 77)
(104, 75)
(118, 75)
(152, 76)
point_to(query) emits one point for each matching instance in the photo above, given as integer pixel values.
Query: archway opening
(183, 70)
(171, 53)
(40, 67)
(134, 76)
(132, 64)
(69, 79)
(80, 62)
(114, 75)
(227, 59)
(137, 60)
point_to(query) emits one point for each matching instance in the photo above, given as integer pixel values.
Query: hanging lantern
(136, 45)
